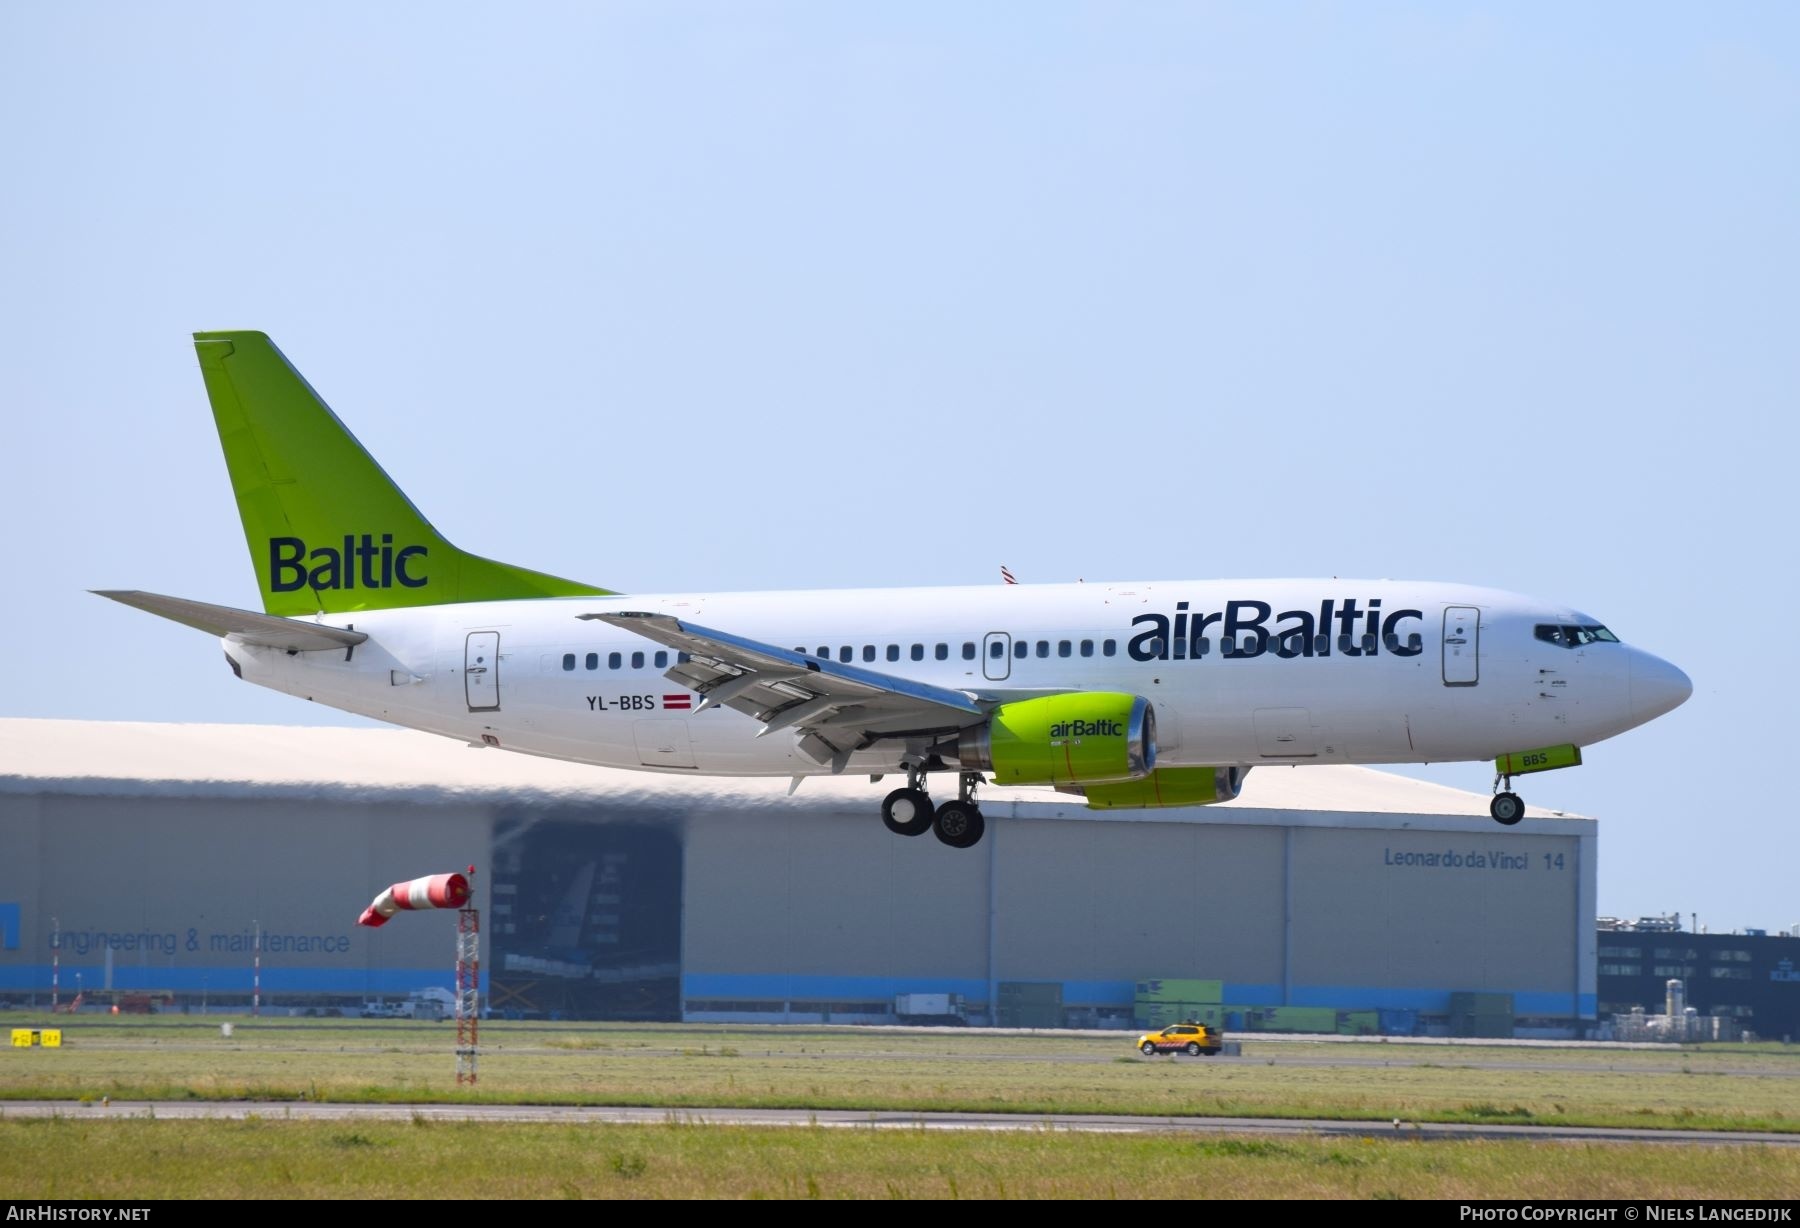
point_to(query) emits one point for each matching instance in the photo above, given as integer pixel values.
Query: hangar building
(153, 858)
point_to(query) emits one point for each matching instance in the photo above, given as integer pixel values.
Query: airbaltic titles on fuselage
(1243, 628)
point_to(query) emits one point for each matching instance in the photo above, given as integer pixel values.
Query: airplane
(1143, 694)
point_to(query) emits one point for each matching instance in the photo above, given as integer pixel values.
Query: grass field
(276, 1060)
(273, 1159)
(1720, 1087)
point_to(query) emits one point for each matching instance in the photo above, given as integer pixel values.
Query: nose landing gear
(1507, 808)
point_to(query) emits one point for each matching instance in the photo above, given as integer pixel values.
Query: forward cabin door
(481, 671)
(1462, 645)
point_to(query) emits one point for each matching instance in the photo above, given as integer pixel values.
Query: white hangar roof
(126, 758)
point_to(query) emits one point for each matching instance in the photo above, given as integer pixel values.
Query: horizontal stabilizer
(268, 630)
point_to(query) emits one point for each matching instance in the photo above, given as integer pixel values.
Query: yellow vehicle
(1192, 1039)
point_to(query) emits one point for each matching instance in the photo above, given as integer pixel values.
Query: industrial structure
(1659, 981)
(155, 859)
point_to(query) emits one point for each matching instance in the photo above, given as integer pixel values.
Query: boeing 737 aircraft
(1146, 694)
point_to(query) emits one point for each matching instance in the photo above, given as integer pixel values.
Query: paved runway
(847, 1119)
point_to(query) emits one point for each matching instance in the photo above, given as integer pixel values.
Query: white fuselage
(1404, 672)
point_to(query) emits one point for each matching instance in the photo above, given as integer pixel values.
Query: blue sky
(746, 295)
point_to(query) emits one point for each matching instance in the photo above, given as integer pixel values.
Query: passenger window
(1021, 648)
(1109, 648)
(824, 653)
(614, 660)
(593, 660)
(1157, 646)
(1064, 648)
(918, 652)
(568, 660)
(845, 652)
(868, 652)
(1368, 645)
(662, 660)
(968, 650)
(681, 658)
(941, 652)
(1087, 648)
(893, 652)
(1227, 645)
(1321, 645)
(1043, 648)
(637, 660)
(1202, 646)
(996, 650)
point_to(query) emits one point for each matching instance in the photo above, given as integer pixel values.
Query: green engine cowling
(1073, 739)
(1179, 786)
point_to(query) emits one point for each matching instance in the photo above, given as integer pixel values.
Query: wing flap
(227, 622)
(833, 707)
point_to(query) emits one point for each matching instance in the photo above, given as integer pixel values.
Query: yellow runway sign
(47, 1038)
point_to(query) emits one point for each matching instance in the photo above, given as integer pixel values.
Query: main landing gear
(1506, 808)
(908, 811)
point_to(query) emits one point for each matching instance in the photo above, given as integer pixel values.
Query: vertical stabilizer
(328, 530)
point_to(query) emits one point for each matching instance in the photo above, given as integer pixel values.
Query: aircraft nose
(1656, 686)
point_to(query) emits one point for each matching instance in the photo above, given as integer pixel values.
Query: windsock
(432, 891)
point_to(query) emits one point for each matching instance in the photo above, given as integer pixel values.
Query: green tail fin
(328, 530)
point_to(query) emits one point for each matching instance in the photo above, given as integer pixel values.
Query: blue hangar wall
(812, 915)
(717, 906)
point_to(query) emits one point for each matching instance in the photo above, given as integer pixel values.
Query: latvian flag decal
(682, 703)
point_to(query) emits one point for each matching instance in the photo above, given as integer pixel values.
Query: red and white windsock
(432, 891)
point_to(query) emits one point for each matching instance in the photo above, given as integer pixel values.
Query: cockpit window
(1565, 636)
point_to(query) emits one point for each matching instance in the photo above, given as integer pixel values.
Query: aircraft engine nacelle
(1069, 739)
(432, 891)
(1179, 786)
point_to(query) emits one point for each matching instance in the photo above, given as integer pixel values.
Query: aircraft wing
(836, 708)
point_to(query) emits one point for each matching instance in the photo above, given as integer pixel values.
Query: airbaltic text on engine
(1087, 729)
(333, 568)
(1362, 631)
